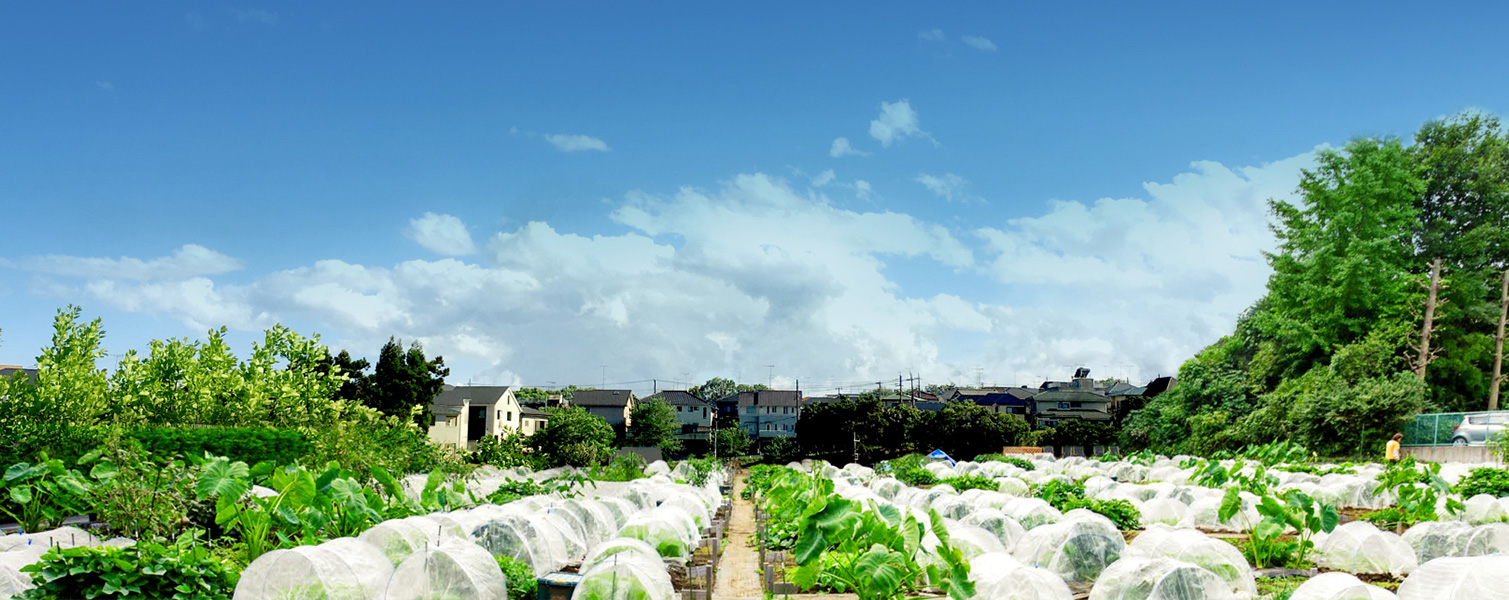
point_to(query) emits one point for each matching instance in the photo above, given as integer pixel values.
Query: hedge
(249, 444)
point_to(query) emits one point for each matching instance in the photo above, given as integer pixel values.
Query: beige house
(532, 420)
(466, 414)
(613, 406)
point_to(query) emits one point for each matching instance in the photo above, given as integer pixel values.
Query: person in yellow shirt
(1391, 450)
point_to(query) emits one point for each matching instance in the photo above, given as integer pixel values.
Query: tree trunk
(1430, 317)
(1498, 348)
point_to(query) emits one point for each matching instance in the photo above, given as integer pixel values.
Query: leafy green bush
(915, 476)
(1017, 461)
(509, 451)
(1121, 512)
(513, 489)
(247, 444)
(702, 468)
(1069, 496)
(971, 482)
(184, 570)
(44, 492)
(521, 582)
(1494, 482)
(782, 450)
(1059, 493)
(575, 437)
(626, 466)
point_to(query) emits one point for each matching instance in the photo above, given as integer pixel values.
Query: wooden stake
(1430, 317)
(1498, 348)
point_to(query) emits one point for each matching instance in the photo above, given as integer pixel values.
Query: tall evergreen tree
(405, 379)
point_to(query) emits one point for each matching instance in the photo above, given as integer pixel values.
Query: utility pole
(1498, 348)
(769, 376)
(856, 447)
(1430, 317)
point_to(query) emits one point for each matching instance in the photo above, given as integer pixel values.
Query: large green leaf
(222, 478)
(387, 481)
(1231, 503)
(1268, 529)
(810, 544)
(805, 576)
(837, 514)
(104, 471)
(1328, 518)
(22, 472)
(21, 494)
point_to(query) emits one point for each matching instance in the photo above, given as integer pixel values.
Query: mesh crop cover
(455, 569)
(1476, 578)
(398, 538)
(998, 576)
(1339, 586)
(12, 580)
(1158, 579)
(1481, 509)
(619, 546)
(625, 576)
(1077, 551)
(1005, 529)
(519, 538)
(1191, 546)
(972, 540)
(661, 529)
(348, 569)
(1360, 547)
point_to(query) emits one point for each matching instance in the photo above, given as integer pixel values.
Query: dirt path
(739, 569)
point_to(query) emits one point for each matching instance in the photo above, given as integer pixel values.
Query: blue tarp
(940, 455)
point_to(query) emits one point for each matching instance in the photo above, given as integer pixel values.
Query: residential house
(6, 371)
(613, 406)
(695, 414)
(532, 419)
(1010, 400)
(770, 413)
(1125, 398)
(466, 414)
(1080, 398)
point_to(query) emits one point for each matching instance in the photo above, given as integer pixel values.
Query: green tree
(732, 441)
(719, 388)
(655, 424)
(405, 383)
(966, 429)
(574, 437)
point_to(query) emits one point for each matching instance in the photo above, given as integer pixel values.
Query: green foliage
(405, 382)
(248, 444)
(1494, 482)
(732, 441)
(522, 584)
(1122, 513)
(1281, 452)
(505, 452)
(1059, 493)
(43, 493)
(971, 482)
(575, 437)
(139, 497)
(514, 489)
(782, 450)
(968, 429)
(183, 570)
(1066, 496)
(908, 469)
(1416, 490)
(655, 425)
(1294, 510)
(719, 388)
(625, 466)
(702, 469)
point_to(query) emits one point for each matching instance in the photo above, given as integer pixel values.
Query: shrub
(513, 489)
(1494, 482)
(574, 437)
(1059, 494)
(971, 482)
(1017, 461)
(509, 451)
(521, 582)
(783, 450)
(250, 445)
(184, 570)
(626, 466)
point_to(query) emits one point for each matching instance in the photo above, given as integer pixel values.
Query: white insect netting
(1191, 546)
(521, 538)
(398, 538)
(1158, 579)
(667, 529)
(455, 569)
(617, 546)
(1005, 529)
(342, 568)
(1164, 511)
(1476, 578)
(625, 576)
(62, 537)
(1360, 547)
(12, 580)
(658, 467)
(1339, 586)
(998, 576)
(1481, 509)
(1075, 550)
(1205, 513)
(1031, 512)
(973, 541)
(1012, 486)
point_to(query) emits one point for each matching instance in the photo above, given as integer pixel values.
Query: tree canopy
(655, 424)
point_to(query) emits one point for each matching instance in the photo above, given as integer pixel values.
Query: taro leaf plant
(259, 520)
(44, 492)
(183, 570)
(1416, 492)
(1293, 510)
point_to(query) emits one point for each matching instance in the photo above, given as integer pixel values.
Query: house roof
(770, 398)
(525, 411)
(679, 398)
(601, 398)
(1127, 391)
(478, 394)
(1069, 395)
(9, 370)
(1159, 385)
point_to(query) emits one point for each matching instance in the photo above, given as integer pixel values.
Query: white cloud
(824, 178)
(195, 21)
(576, 143)
(931, 35)
(897, 121)
(841, 147)
(949, 186)
(979, 43)
(105, 85)
(862, 189)
(191, 260)
(441, 234)
(755, 272)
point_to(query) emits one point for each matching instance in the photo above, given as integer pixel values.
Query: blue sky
(1034, 187)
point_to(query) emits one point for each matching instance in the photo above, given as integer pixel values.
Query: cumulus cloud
(441, 234)
(979, 43)
(576, 143)
(105, 85)
(841, 147)
(862, 189)
(755, 271)
(188, 261)
(948, 186)
(824, 178)
(931, 35)
(897, 121)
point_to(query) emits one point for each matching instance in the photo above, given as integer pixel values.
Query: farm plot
(1269, 524)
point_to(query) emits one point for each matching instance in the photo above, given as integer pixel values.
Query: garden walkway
(739, 569)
